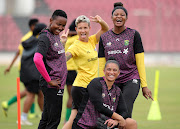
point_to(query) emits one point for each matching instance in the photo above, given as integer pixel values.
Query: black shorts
(71, 77)
(77, 96)
(32, 86)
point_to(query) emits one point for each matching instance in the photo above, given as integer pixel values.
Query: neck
(109, 83)
(118, 30)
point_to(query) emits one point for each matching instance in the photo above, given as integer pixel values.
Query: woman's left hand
(96, 19)
(147, 93)
(64, 36)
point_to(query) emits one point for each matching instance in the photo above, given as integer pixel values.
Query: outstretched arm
(14, 59)
(104, 26)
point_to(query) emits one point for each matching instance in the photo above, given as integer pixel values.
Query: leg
(77, 95)
(27, 105)
(6, 104)
(68, 124)
(52, 109)
(130, 91)
(40, 100)
(69, 103)
(130, 124)
(69, 81)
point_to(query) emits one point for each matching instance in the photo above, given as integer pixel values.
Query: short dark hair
(59, 13)
(33, 21)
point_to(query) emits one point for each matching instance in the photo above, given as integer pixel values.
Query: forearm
(104, 26)
(68, 56)
(141, 68)
(14, 59)
(38, 60)
(117, 117)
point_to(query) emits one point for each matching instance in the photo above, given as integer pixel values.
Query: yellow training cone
(154, 112)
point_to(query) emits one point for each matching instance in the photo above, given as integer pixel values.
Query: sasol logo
(114, 52)
(108, 106)
(61, 51)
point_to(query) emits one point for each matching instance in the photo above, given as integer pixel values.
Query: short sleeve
(74, 49)
(43, 44)
(138, 47)
(93, 39)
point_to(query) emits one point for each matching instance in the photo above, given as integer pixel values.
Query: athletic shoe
(25, 122)
(4, 105)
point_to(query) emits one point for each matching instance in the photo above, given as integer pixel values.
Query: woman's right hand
(6, 71)
(55, 82)
(122, 123)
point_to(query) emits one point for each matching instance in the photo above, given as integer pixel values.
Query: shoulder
(109, 32)
(96, 80)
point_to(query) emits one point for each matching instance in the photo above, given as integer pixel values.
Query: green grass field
(168, 98)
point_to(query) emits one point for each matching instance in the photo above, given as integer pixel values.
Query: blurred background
(158, 22)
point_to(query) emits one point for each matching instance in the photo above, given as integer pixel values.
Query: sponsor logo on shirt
(88, 51)
(56, 44)
(95, 49)
(103, 95)
(125, 51)
(114, 99)
(60, 92)
(117, 39)
(126, 42)
(92, 59)
(108, 106)
(135, 81)
(61, 51)
(109, 44)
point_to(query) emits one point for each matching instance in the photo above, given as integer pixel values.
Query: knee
(131, 124)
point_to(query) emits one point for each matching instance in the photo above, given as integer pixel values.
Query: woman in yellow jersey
(84, 53)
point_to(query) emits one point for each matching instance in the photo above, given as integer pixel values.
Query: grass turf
(168, 99)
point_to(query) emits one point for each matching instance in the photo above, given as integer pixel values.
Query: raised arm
(104, 26)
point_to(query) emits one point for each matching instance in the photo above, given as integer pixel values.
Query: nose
(61, 27)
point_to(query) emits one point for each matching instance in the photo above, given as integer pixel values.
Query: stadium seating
(155, 20)
(10, 34)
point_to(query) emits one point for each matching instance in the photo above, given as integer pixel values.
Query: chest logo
(117, 39)
(125, 51)
(109, 44)
(56, 44)
(114, 99)
(103, 95)
(126, 42)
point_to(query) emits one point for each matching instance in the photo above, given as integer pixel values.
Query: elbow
(37, 58)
